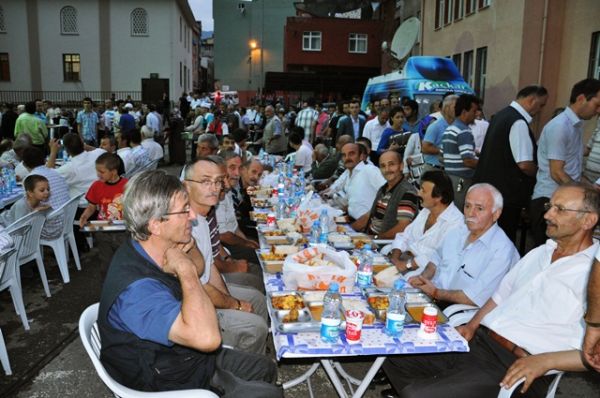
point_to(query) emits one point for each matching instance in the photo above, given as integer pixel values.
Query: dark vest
(142, 364)
(390, 217)
(497, 165)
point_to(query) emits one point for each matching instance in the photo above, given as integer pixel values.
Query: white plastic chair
(9, 271)
(30, 249)
(60, 244)
(459, 314)
(4, 259)
(90, 337)
(507, 393)
(4, 356)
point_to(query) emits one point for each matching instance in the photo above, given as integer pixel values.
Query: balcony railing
(66, 97)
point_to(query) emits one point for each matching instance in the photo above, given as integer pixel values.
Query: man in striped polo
(459, 148)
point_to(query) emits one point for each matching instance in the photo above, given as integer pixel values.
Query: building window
(180, 74)
(480, 72)
(484, 3)
(457, 58)
(68, 21)
(468, 67)
(71, 67)
(2, 23)
(439, 13)
(139, 22)
(311, 41)
(4, 67)
(459, 9)
(471, 6)
(594, 67)
(180, 30)
(447, 12)
(357, 43)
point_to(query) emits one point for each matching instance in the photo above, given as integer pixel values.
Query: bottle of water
(394, 324)
(330, 319)
(281, 207)
(315, 232)
(364, 275)
(13, 179)
(324, 221)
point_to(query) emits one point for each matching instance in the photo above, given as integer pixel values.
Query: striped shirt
(458, 144)
(407, 208)
(305, 119)
(213, 225)
(591, 169)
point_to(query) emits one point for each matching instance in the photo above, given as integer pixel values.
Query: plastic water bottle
(315, 232)
(396, 313)
(281, 207)
(324, 221)
(364, 275)
(330, 319)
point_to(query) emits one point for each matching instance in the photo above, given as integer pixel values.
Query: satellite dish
(405, 38)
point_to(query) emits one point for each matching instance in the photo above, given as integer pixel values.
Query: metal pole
(262, 48)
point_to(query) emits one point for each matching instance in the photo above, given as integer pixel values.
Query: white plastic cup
(354, 322)
(428, 326)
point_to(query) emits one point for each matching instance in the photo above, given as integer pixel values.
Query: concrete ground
(50, 361)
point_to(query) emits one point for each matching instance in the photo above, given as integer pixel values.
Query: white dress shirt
(373, 131)
(361, 188)
(476, 268)
(154, 149)
(303, 157)
(521, 145)
(540, 303)
(80, 171)
(128, 160)
(424, 245)
(153, 122)
(201, 234)
(226, 214)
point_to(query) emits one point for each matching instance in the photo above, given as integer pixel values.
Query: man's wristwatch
(409, 264)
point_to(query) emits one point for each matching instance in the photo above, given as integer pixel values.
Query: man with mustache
(357, 187)
(250, 174)
(533, 322)
(396, 203)
(231, 235)
(474, 258)
(241, 310)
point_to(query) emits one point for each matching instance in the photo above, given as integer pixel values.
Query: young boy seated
(104, 196)
(37, 190)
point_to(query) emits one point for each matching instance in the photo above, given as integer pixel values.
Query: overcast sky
(203, 12)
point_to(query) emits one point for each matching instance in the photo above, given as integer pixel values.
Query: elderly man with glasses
(533, 322)
(241, 310)
(158, 325)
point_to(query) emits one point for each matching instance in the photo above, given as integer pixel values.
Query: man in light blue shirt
(432, 142)
(474, 258)
(560, 150)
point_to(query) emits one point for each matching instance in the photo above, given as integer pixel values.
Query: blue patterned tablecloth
(11, 197)
(373, 341)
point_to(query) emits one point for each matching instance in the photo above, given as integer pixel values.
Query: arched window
(68, 21)
(2, 23)
(139, 22)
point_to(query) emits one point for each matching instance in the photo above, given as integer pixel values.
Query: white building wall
(15, 42)
(53, 45)
(131, 59)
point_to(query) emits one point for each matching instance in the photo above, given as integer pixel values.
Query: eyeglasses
(207, 183)
(561, 209)
(186, 211)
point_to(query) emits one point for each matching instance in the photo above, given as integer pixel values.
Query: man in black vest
(508, 156)
(396, 203)
(158, 326)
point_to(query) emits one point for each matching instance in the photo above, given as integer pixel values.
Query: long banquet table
(374, 343)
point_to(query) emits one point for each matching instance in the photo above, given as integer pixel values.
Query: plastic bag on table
(328, 266)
